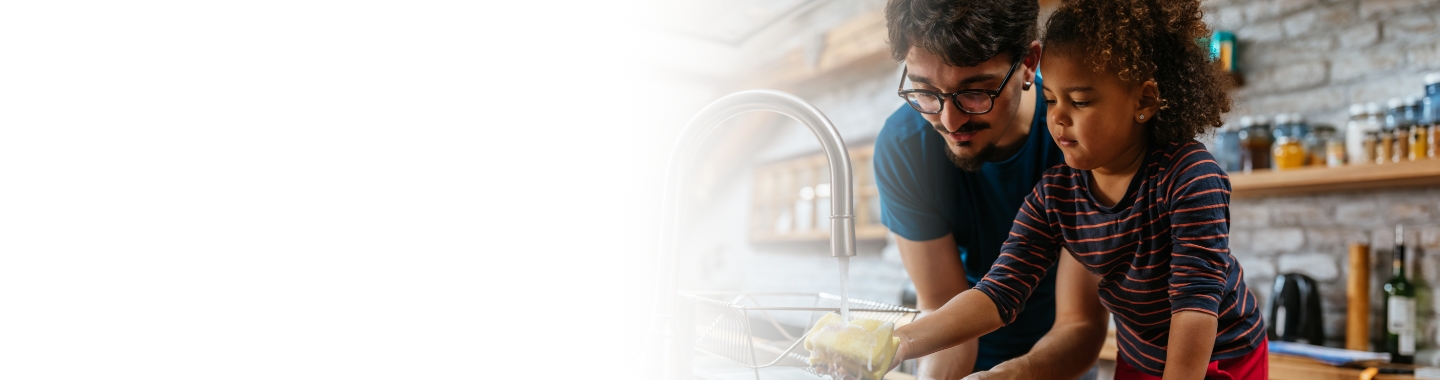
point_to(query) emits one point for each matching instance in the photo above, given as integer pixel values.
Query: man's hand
(1017, 368)
(993, 375)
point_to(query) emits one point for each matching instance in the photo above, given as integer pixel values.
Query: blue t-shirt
(924, 196)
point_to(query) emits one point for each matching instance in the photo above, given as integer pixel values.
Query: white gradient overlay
(326, 189)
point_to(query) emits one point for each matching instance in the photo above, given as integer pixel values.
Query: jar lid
(1412, 101)
(1246, 121)
(1395, 103)
(1282, 118)
(1372, 108)
(1357, 109)
(1432, 78)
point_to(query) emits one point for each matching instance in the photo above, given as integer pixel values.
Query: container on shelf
(1298, 127)
(1227, 147)
(1255, 141)
(1375, 126)
(1288, 152)
(1414, 137)
(1398, 120)
(1285, 148)
(1281, 128)
(1355, 135)
(1222, 50)
(1430, 104)
(1300, 130)
(1419, 143)
(1430, 113)
(1319, 145)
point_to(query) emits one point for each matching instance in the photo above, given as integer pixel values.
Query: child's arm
(1199, 194)
(966, 317)
(1073, 343)
(1024, 258)
(1192, 337)
(938, 276)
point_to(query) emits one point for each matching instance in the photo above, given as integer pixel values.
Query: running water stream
(845, 288)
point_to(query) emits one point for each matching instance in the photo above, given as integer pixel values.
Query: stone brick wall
(1317, 57)
(1311, 234)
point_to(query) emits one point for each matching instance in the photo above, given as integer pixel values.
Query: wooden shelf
(855, 46)
(1346, 178)
(778, 214)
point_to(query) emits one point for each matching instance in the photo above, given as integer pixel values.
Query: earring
(1026, 87)
(1142, 116)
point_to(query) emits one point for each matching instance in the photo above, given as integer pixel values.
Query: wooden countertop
(1283, 367)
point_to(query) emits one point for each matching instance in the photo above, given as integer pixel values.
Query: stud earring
(1142, 117)
(1026, 87)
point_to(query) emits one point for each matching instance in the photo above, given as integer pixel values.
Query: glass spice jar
(1289, 154)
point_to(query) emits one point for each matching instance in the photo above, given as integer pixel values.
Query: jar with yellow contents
(1288, 152)
(1419, 137)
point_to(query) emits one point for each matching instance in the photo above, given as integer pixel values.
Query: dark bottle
(1255, 141)
(1400, 308)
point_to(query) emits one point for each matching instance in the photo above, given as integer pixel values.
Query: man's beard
(969, 164)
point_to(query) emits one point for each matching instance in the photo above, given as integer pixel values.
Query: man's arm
(935, 268)
(1073, 344)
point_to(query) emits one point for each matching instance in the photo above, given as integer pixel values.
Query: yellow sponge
(862, 346)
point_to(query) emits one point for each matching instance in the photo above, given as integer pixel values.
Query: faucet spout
(842, 208)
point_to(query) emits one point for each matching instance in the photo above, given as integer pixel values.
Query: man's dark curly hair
(1148, 39)
(962, 33)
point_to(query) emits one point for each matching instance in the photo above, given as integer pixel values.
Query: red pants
(1254, 365)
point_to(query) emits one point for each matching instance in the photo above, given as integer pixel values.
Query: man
(953, 166)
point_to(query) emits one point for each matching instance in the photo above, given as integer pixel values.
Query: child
(1138, 201)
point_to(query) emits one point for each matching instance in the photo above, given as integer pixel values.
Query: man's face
(972, 138)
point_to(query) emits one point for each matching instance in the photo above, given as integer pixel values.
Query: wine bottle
(1399, 307)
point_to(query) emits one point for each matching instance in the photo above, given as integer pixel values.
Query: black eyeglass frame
(953, 95)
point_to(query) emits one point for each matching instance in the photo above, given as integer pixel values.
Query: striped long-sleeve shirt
(1162, 249)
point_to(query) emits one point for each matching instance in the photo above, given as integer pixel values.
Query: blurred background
(759, 220)
(439, 189)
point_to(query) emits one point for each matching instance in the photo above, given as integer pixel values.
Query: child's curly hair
(1148, 39)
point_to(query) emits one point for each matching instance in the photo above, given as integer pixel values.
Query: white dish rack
(756, 330)
(761, 330)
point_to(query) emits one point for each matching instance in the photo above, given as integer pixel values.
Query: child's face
(1094, 117)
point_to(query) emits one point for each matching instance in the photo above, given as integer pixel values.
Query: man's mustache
(964, 128)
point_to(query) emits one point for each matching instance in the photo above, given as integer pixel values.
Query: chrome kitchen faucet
(700, 127)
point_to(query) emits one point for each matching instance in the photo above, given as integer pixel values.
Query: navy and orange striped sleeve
(1199, 197)
(1025, 257)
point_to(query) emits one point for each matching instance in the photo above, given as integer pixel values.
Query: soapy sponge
(862, 346)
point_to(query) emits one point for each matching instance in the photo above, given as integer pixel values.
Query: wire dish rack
(759, 330)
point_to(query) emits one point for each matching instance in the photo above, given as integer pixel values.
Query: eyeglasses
(972, 102)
